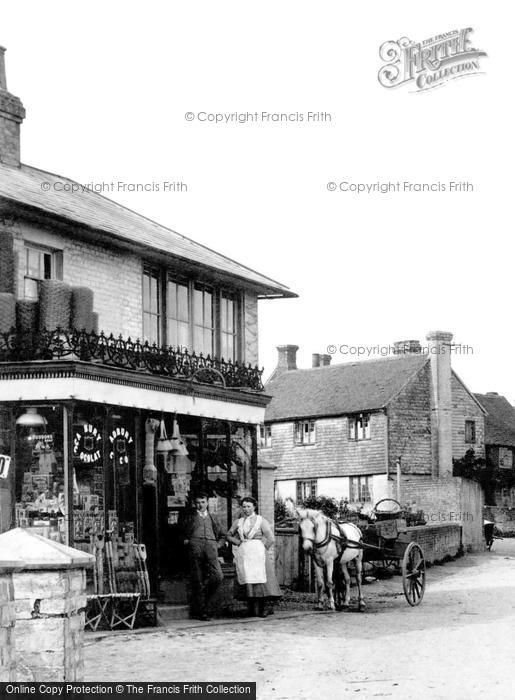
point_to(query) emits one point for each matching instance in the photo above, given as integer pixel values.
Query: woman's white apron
(250, 556)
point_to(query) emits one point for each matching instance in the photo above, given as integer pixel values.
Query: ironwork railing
(128, 354)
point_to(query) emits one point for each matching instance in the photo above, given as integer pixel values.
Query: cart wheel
(414, 574)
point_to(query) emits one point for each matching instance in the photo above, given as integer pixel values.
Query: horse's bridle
(340, 539)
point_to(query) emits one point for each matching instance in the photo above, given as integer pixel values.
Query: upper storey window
(190, 315)
(39, 264)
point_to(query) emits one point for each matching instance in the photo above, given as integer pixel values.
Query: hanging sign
(86, 444)
(5, 462)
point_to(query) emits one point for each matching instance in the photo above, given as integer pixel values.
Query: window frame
(299, 432)
(360, 483)
(154, 272)
(56, 266)
(167, 276)
(265, 434)
(358, 428)
(470, 432)
(300, 489)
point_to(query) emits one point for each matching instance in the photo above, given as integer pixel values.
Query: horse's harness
(341, 539)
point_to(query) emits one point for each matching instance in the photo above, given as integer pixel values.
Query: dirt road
(459, 644)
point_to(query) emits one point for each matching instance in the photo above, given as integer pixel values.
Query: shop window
(88, 475)
(40, 482)
(40, 264)
(306, 488)
(304, 433)
(360, 489)
(470, 431)
(359, 427)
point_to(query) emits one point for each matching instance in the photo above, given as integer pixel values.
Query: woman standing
(252, 536)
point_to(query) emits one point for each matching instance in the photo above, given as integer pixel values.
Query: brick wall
(436, 541)
(113, 275)
(465, 408)
(7, 620)
(409, 426)
(333, 454)
(446, 500)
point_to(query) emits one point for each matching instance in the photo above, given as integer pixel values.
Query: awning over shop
(133, 391)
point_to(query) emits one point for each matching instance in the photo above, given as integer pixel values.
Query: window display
(40, 479)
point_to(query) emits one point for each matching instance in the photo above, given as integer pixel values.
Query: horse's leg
(359, 570)
(330, 584)
(346, 578)
(319, 573)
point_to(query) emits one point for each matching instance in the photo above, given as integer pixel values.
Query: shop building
(128, 366)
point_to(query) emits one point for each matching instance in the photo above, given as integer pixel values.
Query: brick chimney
(286, 360)
(406, 347)
(439, 350)
(325, 360)
(287, 356)
(12, 113)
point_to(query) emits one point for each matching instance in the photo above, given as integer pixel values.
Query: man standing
(202, 532)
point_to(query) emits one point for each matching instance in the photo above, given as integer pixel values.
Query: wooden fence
(294, 568)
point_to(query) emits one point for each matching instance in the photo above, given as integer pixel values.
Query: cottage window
(151, 306)
(359, 427)
(178, 314)
(360, 489)
(40, 264)
(470, 431)
(307, 488)
(265, 430)
(305, 432)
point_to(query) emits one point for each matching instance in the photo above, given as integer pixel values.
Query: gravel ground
(459, 643)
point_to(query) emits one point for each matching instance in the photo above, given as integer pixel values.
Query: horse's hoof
(362, 607)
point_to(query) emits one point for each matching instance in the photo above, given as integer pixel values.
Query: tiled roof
(25, 186)
(338, 389)
(500, 421)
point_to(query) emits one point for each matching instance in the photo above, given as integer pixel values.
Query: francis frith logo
(430, 63)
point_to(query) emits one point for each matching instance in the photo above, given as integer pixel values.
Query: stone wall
(49, 630)
(7, 621)
(333, 454)
(251, 327)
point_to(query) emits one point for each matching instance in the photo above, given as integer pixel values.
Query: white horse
(329, 542)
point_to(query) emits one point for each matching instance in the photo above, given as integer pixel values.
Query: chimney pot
(406, 347)
(325, 360)
(287, 356)
(315, 359)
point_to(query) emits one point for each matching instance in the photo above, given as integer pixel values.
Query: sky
(107, 87)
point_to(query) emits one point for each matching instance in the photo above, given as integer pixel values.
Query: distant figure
(252, 536)
(202, 533)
